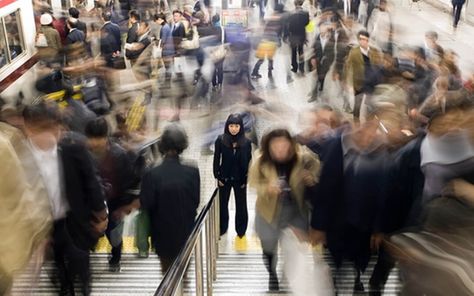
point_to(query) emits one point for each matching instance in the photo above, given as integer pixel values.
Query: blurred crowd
(382, 161)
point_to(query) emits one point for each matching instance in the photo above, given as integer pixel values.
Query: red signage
(4, 3)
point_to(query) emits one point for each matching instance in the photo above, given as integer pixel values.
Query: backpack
(41, 40)
(94, 96)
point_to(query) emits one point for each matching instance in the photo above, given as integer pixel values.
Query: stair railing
(207, 220)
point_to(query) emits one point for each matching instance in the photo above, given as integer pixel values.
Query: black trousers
(385, 263)
(241, 214)
(218, 76)
(70, 260)
(115, 240)
(297, 58)
(457, 13)
(259, 63)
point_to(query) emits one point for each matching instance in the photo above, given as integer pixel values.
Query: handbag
(94, 96)
(193, 43)
(220, 51)
(265, 49)
(157, 51)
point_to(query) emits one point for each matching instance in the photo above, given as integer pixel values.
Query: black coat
(83, 193)
(296, 27)
(229, 166)
(114, 30)
(170, 194)
(132, 35)
(82, 27)
(117, 175)
(324, 57)
(349, 203)
(75, 36)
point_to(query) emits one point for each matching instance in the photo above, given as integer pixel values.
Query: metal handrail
(208, 217)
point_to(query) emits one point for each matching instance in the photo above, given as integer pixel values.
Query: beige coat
(261, 176)
(25, 218)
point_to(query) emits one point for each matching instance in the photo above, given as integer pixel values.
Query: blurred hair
(267, 138)
(363, 33)
(134, 14)
(177, 11)
(74, 12)
(97, 128)
(299, 2)
(160, 16)
(432, 35)
(107, 15)
(174, 138)
(42, 115)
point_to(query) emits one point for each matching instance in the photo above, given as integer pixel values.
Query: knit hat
(46, 19)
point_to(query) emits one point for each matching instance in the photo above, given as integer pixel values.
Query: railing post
(198, 266)
(209, 255)
(217, 234)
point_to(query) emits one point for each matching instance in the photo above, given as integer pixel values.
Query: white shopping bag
(179, 64)
(305, 276)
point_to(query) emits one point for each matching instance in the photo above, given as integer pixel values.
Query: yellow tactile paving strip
(249, 244)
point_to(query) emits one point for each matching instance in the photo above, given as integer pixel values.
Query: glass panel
(3, 47)
(14, 38)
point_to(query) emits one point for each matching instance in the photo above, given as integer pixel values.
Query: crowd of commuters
(383, 165)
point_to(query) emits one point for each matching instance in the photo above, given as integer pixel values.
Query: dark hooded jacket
(231, 163)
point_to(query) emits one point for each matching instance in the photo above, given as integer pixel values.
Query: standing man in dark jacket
(232, 155)
(112, 29)
(77, 202)
(134, 20)
(170, 194)
(296, 32)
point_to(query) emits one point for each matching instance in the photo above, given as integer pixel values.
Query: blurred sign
(4, 3)
(235, 17)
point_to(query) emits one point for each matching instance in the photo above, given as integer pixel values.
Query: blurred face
(363, 41)
(280, 149)
(142, 29)
(176, 17)
(44, 136)
(97, 145)
(234, 129)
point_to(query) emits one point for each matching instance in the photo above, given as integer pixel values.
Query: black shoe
(256, 76)
(273, 284)
(86, 289)
(312, 99)
(114, 266)
(359, 287)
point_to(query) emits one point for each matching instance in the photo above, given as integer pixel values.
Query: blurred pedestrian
(77, 202)
(457, 8)
(117, 178)
(296, 34)
(282, 173)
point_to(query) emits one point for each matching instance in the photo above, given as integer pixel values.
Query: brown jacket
(262, 175)
(355, 67)
(54, 42)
